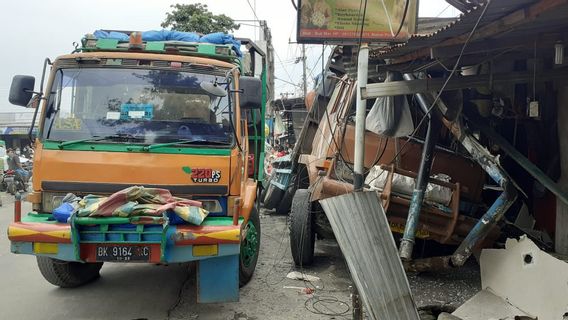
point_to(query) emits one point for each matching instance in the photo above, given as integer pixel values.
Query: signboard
(340, 21)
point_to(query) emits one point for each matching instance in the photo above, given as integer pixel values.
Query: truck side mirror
(21, 90)
(251, 92)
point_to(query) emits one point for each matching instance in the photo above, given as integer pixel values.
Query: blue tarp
(171, 35)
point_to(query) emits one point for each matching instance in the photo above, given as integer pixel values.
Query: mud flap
(218, 279)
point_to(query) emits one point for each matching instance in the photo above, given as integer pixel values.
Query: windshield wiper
(188, 141)
(93, 139)
(70, 142)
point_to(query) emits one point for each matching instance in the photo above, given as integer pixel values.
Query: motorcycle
(12, 182)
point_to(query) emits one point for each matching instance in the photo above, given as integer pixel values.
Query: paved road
(128, 291)
(134, 291)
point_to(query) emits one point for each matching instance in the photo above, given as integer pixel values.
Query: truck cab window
(140, 106)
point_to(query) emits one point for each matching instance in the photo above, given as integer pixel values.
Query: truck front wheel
(250, 247)
(67, 274)
(302, 235)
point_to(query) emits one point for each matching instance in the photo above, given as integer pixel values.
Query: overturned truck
(431, 155)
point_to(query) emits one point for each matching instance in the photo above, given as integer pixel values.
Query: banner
(340, 21)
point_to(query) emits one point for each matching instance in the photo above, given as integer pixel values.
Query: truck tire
(262, 195)
(272, 197)
(250, 247)
(284, 205)
(264, 189)
(67, 274)
(302, 235)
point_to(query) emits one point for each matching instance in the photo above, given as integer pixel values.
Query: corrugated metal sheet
(362, 231)
(462, 25)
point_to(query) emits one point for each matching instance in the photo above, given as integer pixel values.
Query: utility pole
(304, 77)
(361, 114)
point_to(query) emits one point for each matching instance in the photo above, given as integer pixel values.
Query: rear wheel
(250, 247)
(21, 186)
(67, 274)
(302, 235)
(11, 188)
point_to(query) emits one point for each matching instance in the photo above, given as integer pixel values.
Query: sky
(36, 29)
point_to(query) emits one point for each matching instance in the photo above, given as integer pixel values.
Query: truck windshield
(136, 106)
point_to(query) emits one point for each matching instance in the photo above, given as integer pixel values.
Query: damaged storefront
(465, 152)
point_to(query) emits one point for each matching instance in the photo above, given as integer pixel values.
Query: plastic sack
(63, 212)
(401, 184)
(172, 35)
(377, 178)
(69, 204)
(169, 35)
(173, 218)
(100, 34)
(439, 194)
(279, 127)
(222, 38)
(191, 214)
(390, 116)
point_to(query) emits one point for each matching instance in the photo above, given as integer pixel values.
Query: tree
(197, 18)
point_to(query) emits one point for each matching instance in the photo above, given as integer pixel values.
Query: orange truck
(178, 115)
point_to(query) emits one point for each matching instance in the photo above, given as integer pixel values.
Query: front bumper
(36, 234)
(217, 270)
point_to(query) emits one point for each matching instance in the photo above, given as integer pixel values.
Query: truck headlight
(51, 200)
(213, 206)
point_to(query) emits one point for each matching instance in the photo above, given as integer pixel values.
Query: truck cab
(185, 117)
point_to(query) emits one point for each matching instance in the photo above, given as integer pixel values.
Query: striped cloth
(138, 201)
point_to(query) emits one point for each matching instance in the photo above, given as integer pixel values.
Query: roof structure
(503, 24)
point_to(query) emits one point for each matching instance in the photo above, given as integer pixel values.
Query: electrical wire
(362, 23)
(313, 303)
(288, 82)
(338, 147)
(446, 8)
(429, 110)
(403, 18)
(388, 17)
(316, 64)
(316, 300)
(283, 67)
(253, 11)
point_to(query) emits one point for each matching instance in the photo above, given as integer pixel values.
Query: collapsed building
(465, 145)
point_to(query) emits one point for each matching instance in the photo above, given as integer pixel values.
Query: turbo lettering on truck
(205, 175)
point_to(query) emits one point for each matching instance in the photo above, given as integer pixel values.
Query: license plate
(123, 253)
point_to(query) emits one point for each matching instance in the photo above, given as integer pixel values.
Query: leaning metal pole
(491, 166)
(434, 124)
